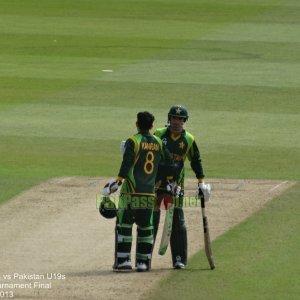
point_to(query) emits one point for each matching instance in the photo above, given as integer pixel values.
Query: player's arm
(165, 168)
(196, 162)
(128, 159)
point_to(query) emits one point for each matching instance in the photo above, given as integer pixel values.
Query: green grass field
(235, 64)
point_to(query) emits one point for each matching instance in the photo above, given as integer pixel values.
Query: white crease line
(277, 186)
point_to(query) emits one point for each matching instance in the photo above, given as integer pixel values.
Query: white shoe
(123, 267)
(141, 267)
(179, 265)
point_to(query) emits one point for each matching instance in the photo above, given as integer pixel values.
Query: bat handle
(202, 206)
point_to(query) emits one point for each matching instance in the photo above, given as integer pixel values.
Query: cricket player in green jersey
(181, 144)
(142, 155)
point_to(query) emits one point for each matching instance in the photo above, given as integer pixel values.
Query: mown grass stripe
(274, 32)
(84, 122)
(228, 72)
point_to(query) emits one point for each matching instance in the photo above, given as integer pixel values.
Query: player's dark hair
(145, 120)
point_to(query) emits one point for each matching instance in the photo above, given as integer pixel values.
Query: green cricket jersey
(182, 147)
(143, 152)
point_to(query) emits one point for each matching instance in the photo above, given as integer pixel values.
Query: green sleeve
(160, 132)
(195, 159)
(128, 158)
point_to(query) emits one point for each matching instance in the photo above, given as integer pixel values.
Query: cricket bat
(207, 243)
(167, 230)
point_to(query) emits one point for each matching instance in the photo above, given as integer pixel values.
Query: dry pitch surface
(54, 230)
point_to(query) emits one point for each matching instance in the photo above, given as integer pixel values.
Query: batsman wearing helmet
(142, 155)
(181, 144)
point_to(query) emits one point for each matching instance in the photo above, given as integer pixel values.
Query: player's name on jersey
(150, 146)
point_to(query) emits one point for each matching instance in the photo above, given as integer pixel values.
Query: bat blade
(167, 230)
(207, 242)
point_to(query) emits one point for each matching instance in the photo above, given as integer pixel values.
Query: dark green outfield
(235, 64)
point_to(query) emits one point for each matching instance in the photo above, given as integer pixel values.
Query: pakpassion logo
(132, 201)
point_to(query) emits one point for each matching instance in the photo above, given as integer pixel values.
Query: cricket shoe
(141, 267)
(179, 265)
(125, 266)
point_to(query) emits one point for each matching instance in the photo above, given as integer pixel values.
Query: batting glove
(111, 187)
(174, 188)
(204, 190)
